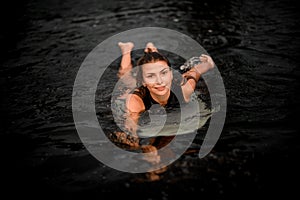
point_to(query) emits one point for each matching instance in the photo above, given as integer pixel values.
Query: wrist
(193, 73)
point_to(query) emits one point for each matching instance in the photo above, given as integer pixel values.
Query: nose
(159, 79)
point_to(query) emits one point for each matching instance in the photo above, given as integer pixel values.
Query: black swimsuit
(176, 97)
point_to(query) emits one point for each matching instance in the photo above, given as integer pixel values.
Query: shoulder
(134, 103)
(142, 92)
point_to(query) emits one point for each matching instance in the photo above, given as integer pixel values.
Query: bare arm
(134, 107)
(194, 74)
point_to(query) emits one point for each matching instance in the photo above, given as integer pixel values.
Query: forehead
(155, 67)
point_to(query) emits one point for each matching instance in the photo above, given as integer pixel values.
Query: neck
(161, 99)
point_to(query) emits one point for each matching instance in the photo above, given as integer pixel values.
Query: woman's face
(157, 77)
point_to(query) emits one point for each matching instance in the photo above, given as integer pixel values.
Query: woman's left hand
(206, 64)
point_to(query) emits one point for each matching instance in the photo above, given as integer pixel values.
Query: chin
(161, 93)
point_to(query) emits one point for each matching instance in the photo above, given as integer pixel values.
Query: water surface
(255, 46)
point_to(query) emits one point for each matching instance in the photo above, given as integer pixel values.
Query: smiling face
(157, 77)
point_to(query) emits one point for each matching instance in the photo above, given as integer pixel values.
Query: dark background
(255, 45)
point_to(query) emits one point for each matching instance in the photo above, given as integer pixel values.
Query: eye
(149, 76)
(164, 72)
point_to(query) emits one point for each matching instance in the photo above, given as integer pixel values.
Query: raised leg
(150, 47)
(126, 64)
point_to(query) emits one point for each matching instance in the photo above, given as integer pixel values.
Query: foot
(150, 48)
(126, 47)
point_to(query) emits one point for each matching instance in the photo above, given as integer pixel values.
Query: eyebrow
(159, 71)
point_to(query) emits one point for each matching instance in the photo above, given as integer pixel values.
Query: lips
(160, 88)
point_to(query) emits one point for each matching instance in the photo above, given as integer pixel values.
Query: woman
(155, 82)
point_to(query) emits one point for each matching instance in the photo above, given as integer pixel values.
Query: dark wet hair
(148, 57)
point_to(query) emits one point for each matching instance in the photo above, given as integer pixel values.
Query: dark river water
(255, 45)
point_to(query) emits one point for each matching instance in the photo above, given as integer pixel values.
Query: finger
(203, 58)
